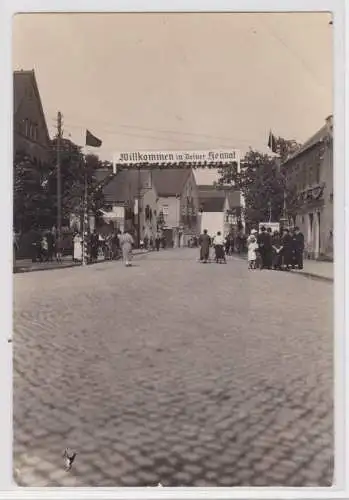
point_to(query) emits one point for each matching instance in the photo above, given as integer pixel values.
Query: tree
(31, 206)
(74, 167)
(262, 183)
(285, 148)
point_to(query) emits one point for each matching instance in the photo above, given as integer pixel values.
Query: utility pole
(59, 180)
(138, 209)
(85, 217)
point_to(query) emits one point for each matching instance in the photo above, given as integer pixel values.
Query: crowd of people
(275, 250)
(265, 249)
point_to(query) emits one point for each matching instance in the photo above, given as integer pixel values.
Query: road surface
(175, 372)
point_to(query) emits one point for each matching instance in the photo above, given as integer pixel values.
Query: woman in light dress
(126, 242)
(77, 248)
(252, 249)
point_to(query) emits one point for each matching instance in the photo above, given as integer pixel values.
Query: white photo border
(8, 8)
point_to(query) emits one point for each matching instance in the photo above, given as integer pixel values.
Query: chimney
(329, 124)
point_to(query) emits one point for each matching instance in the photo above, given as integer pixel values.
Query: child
(252, 252)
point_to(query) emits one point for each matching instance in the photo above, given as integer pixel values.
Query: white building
(219, 209)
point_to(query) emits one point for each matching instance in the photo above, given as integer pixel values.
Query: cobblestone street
(175, 372)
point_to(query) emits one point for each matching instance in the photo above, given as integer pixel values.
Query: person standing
(126, 242)
(298, 247)
(51, 245)
(265, 248)
(252, 247)
(286, 241)
(204, 242)
(227, 244)
(15, 246)
(44, 248)
(94, 246)
(277, 251)
(59, 249)
(77, 250)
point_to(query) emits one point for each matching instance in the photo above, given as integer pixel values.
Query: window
(165, 209)
(317, 173)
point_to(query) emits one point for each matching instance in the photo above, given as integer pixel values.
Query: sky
(180, 81)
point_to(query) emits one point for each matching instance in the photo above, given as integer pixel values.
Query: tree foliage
(31, 207)
(35, 188)
(263, 183)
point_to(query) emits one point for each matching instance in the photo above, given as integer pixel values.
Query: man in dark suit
(298, 247)
(204, 242)
(265, 248)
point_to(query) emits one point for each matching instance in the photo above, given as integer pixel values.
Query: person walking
(126, 243)
(157, 241)
(204, 242)
(218, 243)
(298, 248)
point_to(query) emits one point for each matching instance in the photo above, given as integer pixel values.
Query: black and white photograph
(173, 249)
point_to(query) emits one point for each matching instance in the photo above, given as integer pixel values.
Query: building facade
(310, 173)
(219, 209)
(177, 204)
(30, 132)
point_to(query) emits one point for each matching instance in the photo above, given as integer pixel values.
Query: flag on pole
(92, 141)
(272, 142)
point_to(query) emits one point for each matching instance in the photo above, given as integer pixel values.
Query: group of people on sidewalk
(46, 247)
(108, 246)
(112, 247)
(155, 242)
(275, 250)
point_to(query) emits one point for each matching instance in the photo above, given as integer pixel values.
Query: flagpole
(242, 198)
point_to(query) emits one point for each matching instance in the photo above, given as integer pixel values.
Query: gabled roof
(21, 81)
(170, 182)
(317, 138)
(123, 187)
(211, 199)
(212, 204)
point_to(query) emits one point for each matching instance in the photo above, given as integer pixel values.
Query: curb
(20, 270)
(305, 274)
(313, 276)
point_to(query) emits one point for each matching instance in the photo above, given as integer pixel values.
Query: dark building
(30, 133)
(310, 172)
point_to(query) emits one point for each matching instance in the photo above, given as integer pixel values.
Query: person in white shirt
(218, 243)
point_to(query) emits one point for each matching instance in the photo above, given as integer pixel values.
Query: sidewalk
(317, 269)
(26, 265)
